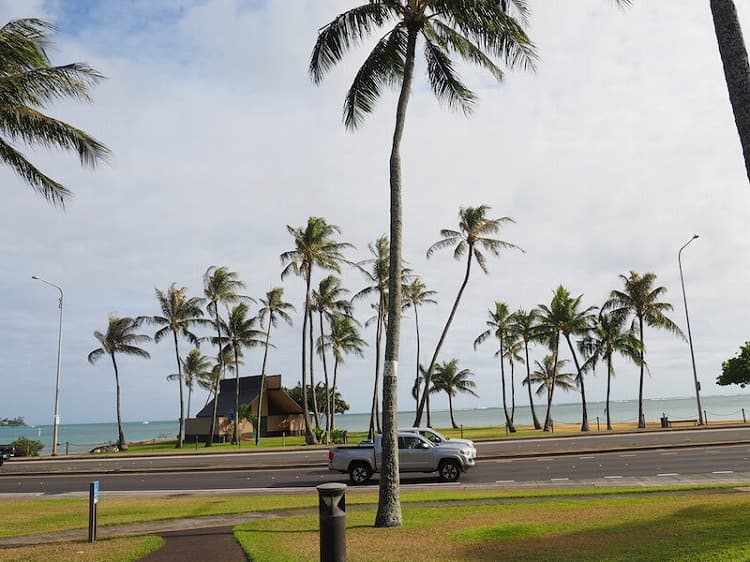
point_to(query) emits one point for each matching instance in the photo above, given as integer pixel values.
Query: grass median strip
(109, 550)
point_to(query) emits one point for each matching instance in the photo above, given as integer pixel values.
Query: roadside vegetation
(103, 550)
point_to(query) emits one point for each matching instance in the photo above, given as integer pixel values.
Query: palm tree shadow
(694, 533)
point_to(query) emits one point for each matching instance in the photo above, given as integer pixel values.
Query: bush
(26, 447)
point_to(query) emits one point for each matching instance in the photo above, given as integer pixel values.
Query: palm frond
(382, 68)
(445, 83)
(343, 33)
(54, 192)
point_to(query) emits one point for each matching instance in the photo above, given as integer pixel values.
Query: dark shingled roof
(249, 390)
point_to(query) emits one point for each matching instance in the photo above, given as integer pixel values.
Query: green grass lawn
(109, 550)
(689, 523)
(707, 525)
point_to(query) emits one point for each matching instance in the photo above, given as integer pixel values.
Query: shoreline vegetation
(12, 422)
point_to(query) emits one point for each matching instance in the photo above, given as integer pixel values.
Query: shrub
(26, 447)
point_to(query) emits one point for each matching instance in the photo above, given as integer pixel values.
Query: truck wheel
(359, 473)
(449, 471)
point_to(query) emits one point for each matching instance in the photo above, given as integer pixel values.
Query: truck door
(412, 454)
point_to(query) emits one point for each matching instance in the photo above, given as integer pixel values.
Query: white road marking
(723, 472)
(504, 481)
(672, 453)
(668, 474)
(630, 455)
(586, 457)
(610, 477)
(545, 459)
(559, 479)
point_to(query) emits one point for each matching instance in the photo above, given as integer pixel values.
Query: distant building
(281, 414)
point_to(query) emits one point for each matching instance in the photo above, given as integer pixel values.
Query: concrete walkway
(212, 543)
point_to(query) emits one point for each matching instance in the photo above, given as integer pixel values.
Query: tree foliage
(736, 370)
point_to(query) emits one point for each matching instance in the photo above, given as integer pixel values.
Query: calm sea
(81, 438)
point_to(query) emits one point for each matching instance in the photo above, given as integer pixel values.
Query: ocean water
(81, 438)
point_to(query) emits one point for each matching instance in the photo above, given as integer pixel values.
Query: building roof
(249, 390)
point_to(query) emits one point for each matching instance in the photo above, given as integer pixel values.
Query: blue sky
(609, 157)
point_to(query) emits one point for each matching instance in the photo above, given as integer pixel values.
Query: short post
(506, 429)
(744, 419)
(332, 513)
(67, 448)
(462, 431)
(153, 444)
(93, 500)
(196, 443)
(597, 423)
(283, 439)
(705, 417)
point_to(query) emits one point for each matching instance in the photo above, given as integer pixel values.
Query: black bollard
(332, 511)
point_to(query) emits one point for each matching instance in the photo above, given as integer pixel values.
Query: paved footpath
(212, 543)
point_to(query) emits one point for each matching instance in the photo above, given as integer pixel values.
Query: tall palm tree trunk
(585, 413)
(548, 416)
(220, 360)
(508, 419)
(190, 395)
(389, 500)
(428, 374)
(736, 68)
(333, 393)
(512, 392)
(428, 407)
(374, 421)
(316, 410)
(641, 417)
(309, 437)
(325, 379)
(416, 377)
(537, 425)
(450, 409)
(181, 433)
(235, 430)
(122, 445)
(609, 384)
(259, 415)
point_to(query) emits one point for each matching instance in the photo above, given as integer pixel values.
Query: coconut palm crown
(28, 83)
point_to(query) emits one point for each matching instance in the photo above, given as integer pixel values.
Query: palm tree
(239, 333)
(120, 338)
(575, 322)
(220, 286)
(472, 236)
(548, 376)
(736, 68)
(476, 32)
(498, 325)
(447, 378)
(513, 348)
(551, 320)
(639, 298)
(195, 367)
(343, 340)
(375, 270)
(416, 294)
(273, 307)
(523, 324)
(329, 302)
(607, 337)
(28, 83)
(313, 246)
(179, 314)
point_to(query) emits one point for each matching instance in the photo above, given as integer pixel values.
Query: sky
(609, 158)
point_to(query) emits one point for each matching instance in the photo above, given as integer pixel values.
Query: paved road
(720, 464)
(308, 456)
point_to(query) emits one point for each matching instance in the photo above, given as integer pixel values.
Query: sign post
(93, 500)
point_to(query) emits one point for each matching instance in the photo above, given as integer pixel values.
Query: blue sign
(96, 491)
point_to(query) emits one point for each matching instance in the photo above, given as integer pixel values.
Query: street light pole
(56, 423)
(690, 336)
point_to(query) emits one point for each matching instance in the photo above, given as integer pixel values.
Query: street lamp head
(695, 236)
(34, 277)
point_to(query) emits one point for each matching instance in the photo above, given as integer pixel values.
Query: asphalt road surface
(561, 464)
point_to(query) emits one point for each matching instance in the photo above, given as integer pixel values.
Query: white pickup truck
(415, 454)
